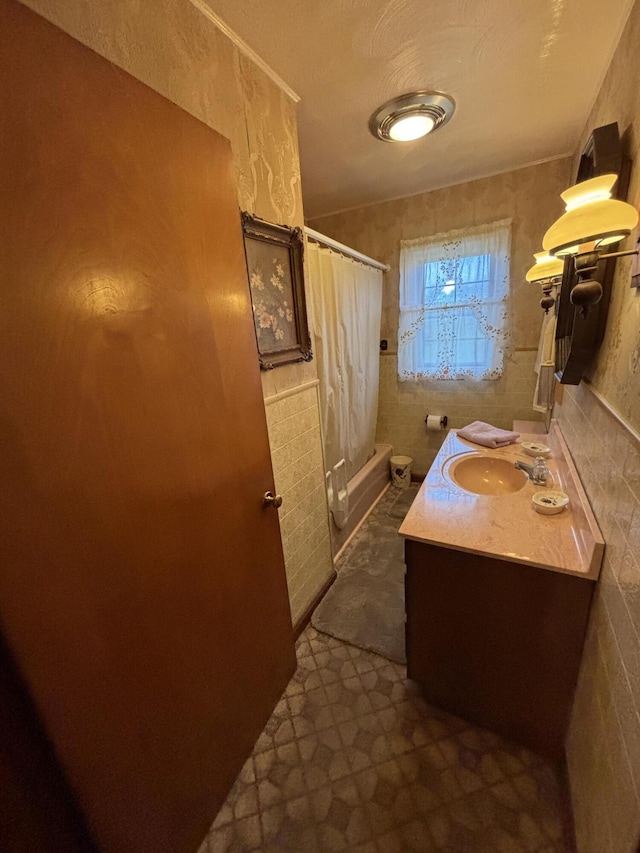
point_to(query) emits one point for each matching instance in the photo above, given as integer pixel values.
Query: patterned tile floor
(353, 759)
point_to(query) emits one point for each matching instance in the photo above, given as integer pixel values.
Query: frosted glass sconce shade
(545, 267)
(591, 216)
(546, 271)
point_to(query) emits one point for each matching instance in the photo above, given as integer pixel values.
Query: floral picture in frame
(274, 255)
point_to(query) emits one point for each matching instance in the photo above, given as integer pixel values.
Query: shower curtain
(346, 304)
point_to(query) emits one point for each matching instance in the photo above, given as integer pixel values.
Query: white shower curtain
(346, 304)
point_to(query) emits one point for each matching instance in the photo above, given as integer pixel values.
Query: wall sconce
(547, 271)
(591, 221)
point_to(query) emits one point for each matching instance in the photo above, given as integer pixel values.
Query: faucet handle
(541, 471)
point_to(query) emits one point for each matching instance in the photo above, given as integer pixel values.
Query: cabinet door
(142, 586)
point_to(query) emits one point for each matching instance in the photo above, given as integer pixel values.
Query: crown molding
(482, 177)
(244, 48)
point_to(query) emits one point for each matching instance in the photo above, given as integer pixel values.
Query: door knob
(270, 499)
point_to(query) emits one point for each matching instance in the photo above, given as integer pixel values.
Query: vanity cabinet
(496, 642)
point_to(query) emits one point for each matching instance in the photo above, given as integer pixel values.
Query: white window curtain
(454, 291)
(346, 304)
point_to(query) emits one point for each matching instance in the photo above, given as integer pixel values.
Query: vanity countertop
(506, 526)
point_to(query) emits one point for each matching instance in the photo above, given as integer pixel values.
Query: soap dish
(550, 503)
(533, 448)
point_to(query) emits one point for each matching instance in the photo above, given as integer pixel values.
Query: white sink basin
(482, 474)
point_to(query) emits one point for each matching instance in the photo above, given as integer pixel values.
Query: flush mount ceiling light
(411, 116)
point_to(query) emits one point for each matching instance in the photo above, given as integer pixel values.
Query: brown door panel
(142, 586)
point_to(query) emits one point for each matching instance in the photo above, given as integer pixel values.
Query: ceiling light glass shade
(411, 116)
(545, 267)
(411, 127)
(591, 216)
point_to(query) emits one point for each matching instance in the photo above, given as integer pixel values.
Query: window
(453, 304)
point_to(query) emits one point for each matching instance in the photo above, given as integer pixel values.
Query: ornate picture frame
(274, 256)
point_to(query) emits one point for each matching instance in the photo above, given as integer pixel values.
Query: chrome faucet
(538, 473)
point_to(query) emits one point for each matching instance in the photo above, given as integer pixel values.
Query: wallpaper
(530, 197)
(616, 373)
(176, 50)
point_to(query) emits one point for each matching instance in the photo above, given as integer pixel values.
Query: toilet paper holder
(433, 421)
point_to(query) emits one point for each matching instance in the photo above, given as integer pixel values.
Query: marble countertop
(506, 526)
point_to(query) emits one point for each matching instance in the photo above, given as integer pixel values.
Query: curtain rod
(340, 247)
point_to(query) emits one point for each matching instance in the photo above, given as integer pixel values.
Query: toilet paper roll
(436, 422)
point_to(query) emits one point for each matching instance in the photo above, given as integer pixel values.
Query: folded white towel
(489, 436)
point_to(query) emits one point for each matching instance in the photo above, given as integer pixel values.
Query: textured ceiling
(524, 74)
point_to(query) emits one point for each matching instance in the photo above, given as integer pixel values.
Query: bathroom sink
(486, 475)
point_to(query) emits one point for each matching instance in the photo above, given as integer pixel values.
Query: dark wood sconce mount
(585, 292)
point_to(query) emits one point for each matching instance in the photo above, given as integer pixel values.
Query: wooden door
(142, 587)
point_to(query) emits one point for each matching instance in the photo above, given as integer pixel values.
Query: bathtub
(364, 489)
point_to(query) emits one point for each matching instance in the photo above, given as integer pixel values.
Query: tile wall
(604, 738)
(403, 406)
(296, 449)
(177, 50)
